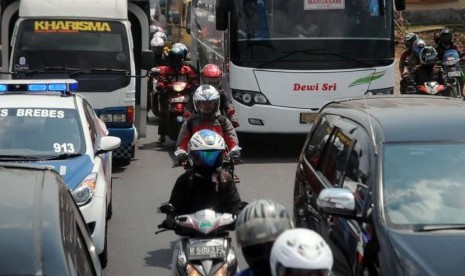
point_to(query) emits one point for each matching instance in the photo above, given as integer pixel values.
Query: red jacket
(168, 75)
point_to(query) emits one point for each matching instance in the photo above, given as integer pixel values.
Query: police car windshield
(40, 132)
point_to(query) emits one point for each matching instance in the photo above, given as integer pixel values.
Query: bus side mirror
(400, 5)
(221, 11)
(146, 62)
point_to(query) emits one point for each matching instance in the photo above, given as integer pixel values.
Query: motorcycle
(178, 93)
(433, 88)
(205, 247)
(452, 70)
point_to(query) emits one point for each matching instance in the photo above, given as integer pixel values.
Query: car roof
(34, 211)
(406, 118)
(50, 100)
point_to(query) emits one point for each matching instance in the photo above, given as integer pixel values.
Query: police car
(43, 121)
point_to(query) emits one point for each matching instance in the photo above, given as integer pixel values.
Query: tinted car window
(414, 193)
(317, 141)
(84, 262)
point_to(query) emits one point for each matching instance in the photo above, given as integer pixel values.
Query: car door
(352, 237)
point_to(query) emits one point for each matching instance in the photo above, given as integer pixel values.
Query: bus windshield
(311, 34)
(50, 47)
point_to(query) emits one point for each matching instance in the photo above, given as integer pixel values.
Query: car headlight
(84, 192)
(249, 98)
(382, 91)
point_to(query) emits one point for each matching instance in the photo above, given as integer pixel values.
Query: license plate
(216, 251)
(308, 118)
(454, 74)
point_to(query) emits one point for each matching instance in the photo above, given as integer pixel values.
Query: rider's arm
(230, 135)
(184, 136)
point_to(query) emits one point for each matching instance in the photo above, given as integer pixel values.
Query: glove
(168, 223)
(187, 114)
(235, 152)
(234, 122)
(230, 112)
(181, 156)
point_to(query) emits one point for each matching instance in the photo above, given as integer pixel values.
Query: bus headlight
(84, 192)
(383, 91)
(249, 98)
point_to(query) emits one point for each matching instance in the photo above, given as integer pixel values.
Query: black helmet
(409, 39)
(257, 227)
(176, 58)
(428, 55)
(446, 36)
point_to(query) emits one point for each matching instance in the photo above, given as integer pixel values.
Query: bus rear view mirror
(400, 5)
(221, 11)
(146, 62)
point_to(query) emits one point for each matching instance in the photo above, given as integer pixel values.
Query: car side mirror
(108, 143)
(337, 202)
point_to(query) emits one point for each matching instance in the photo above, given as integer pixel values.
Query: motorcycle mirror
(166, 208)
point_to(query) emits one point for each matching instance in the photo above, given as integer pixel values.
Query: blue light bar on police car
(62, 87)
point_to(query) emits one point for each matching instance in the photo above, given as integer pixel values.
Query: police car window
(317, 141)
(39, 131)
(91, 123)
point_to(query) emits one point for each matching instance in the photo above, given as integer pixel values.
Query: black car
(382, 179)
(42, 231)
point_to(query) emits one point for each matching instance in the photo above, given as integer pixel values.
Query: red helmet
(212, 74)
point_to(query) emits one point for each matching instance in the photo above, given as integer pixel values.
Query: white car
(42, 121)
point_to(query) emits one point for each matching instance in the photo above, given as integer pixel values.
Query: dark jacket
(192, 192)
(425, 73)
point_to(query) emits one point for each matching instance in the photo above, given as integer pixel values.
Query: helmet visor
(286, 271)
(206, 158)
(446, 37)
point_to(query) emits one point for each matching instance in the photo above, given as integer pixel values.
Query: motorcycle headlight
(84, 192)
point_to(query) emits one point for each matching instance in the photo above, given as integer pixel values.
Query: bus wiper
(431, 228)
(49, 69)
(288, 54)
(64, 156)
(12, 157)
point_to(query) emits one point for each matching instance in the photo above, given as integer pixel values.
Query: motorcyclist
(207, 116)
(206, 185)
(428, 70)
(257, 227)
(176, 70)
(446, 43)
(418, 45)
(300, 251)
(409, 40)
(157, 44)
(213, 75)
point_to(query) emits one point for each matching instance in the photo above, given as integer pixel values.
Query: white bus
(284, 59)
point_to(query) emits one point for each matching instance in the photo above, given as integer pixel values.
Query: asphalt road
(138, 189)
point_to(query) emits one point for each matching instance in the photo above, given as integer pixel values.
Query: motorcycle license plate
(454, 74)
(308, 118)
(215, 251)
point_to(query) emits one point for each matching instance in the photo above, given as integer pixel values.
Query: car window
(424, 184)
(40, 132)
(317, 141)
(91, 123)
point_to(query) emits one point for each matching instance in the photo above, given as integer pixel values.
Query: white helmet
(206, 149)
(162, 35)
(300, 249)
(206, 93)
(157, 41)
(155, 29)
